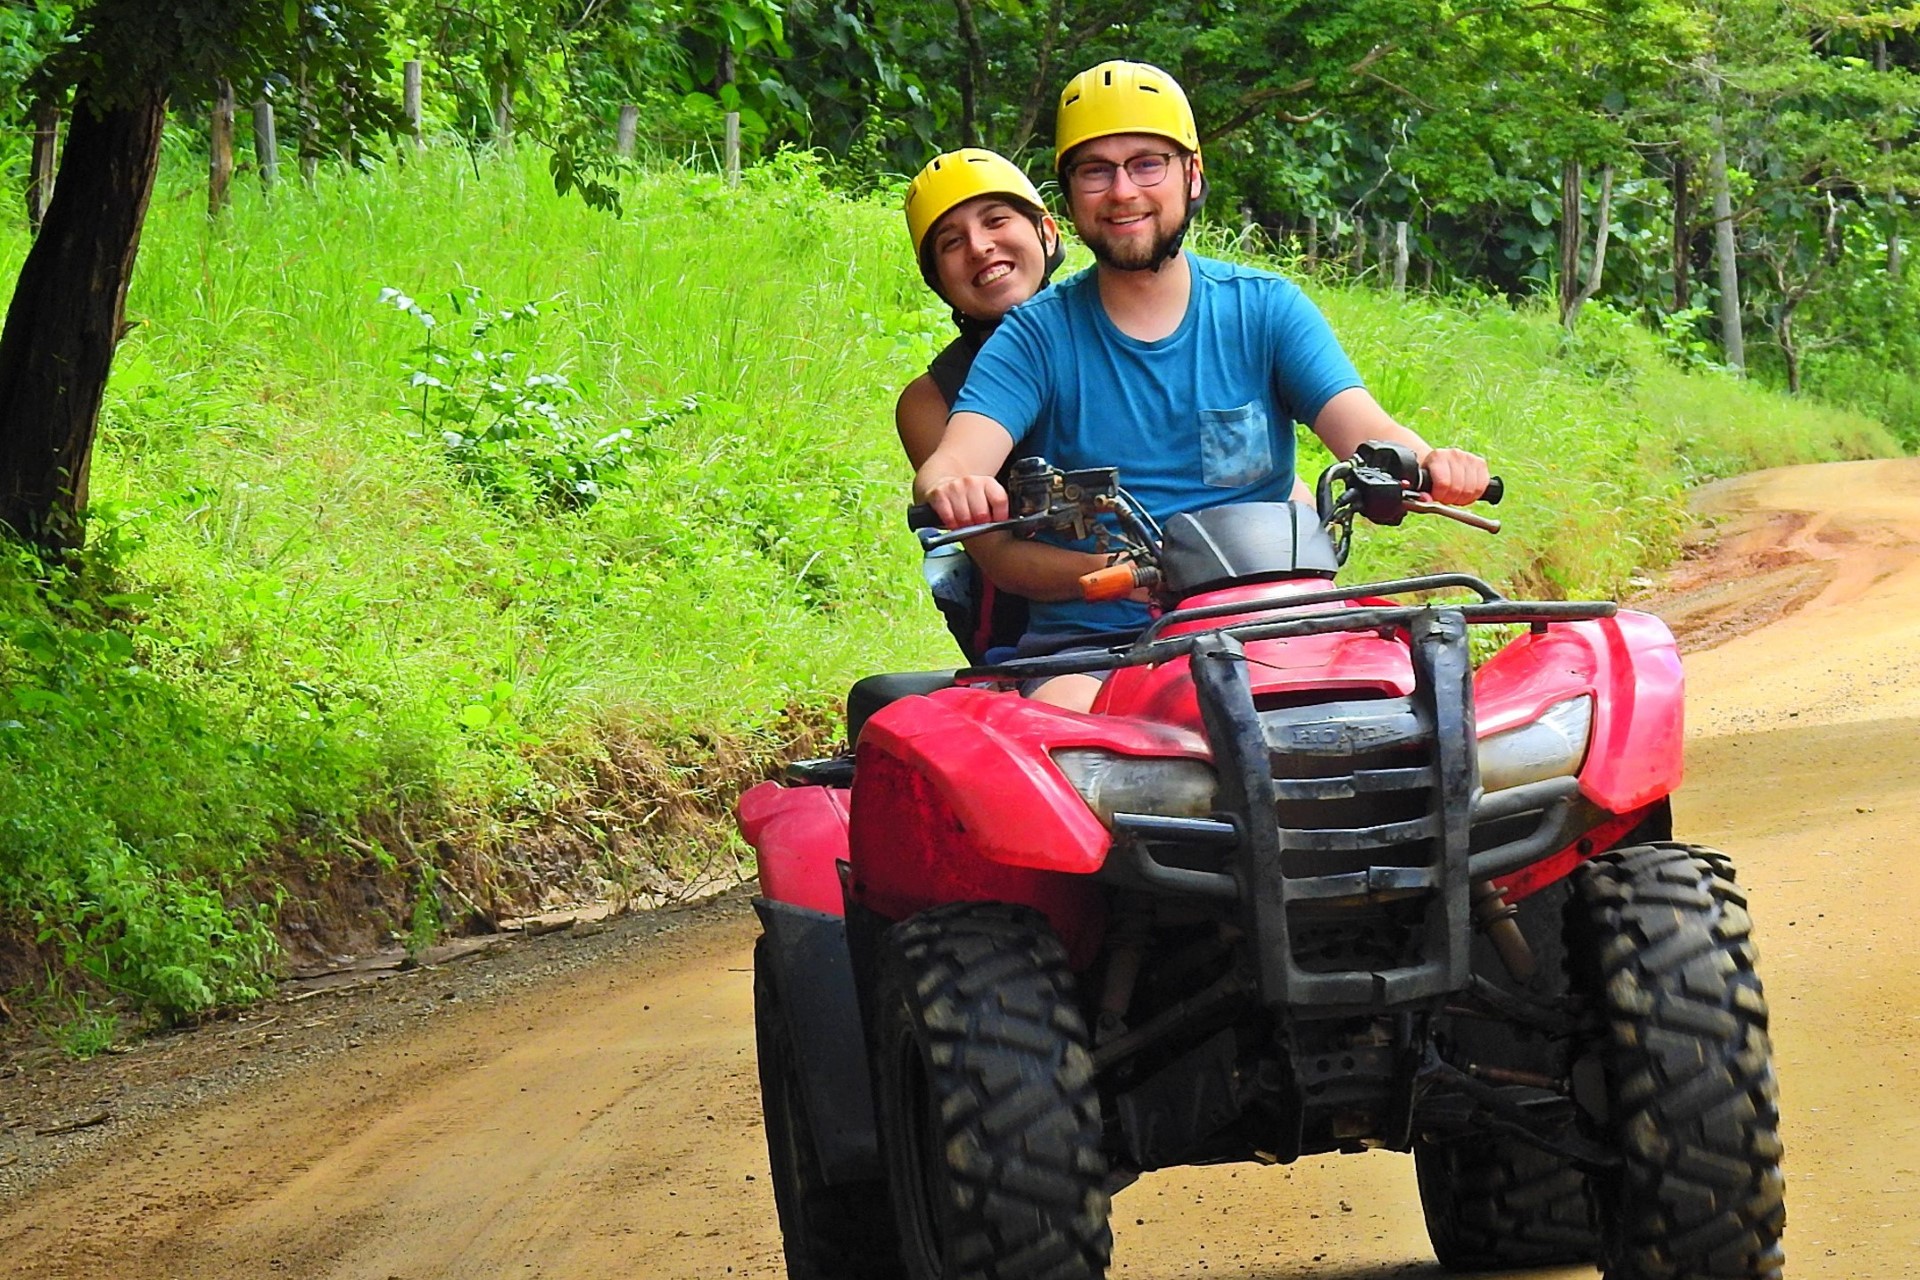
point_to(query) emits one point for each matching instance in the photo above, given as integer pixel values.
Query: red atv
(1303, 881)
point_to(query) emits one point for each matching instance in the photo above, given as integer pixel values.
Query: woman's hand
(960, 501)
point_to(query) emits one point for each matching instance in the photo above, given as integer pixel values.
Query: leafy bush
(525, 438)
(131, 892)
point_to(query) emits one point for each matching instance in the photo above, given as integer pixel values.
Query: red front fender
(798, 834)
(960, 801)
(1630, 666)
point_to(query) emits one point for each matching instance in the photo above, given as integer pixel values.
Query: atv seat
(870, 694)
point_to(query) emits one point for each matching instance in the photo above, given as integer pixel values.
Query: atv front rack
(1153, 645)
(1365, 805)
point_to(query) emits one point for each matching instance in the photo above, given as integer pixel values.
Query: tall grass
(304, 638)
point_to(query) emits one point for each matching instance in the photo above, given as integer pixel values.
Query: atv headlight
(1165, 788)
(1554, 746)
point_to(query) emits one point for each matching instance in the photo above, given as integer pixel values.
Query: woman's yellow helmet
(952, 179)
(1122, 97)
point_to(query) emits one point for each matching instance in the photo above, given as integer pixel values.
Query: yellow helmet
(952, 179)
(1122, 97)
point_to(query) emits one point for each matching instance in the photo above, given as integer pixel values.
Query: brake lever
(1017, 524)
(1427, 506)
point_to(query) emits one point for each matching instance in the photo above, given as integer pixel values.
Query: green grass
(306, 643)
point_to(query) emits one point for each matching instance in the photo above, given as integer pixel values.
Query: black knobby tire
(831, 1232)
(989, 1120)
(1493, 1202)
(1660, 943)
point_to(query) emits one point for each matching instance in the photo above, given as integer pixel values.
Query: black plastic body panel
(813, 973)
(1247, 542)
(871, 693)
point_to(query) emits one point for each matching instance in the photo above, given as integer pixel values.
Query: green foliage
(523, 436)
(77, 1027)
(129, 889)
(28, 34)
(424, 925)
(118, 50)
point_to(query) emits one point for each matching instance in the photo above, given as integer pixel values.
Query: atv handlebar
(1381, 481)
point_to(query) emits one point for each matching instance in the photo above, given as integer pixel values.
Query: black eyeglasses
(1149, 170)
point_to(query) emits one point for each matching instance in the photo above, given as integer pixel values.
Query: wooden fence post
(46, 153)
(623, 138)
(733, 122)
(309, 132)
(220, 148)
(503, 114)
(411, 92)
(266, 145)
(1399, 257)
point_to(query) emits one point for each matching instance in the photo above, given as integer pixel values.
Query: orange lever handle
(1115, 582)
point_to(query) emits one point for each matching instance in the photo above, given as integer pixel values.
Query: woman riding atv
(984, 243)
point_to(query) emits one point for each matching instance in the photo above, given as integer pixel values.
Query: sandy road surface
(607, 1125)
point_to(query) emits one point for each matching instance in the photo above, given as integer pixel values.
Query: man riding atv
(1192, 370)
(984, 243)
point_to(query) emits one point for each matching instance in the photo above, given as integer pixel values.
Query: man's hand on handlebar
(1455, 477)
(960, 501)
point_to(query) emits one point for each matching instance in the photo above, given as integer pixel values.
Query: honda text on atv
(1303, 881)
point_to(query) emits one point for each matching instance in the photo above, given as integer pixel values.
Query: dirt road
(606, 1125)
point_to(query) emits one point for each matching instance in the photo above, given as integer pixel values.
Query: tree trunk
(1603, 224)
(503, 112)
(1572, 229)
(46, 154)
(64, 321)
(972, 73)
(1882, 64)
(1682, 232)
(349, 97)
(309, 131)
(730, 143)
(627, 133)
(220, 149)
(1038, 89)
(1725, 253)
(1789, 345)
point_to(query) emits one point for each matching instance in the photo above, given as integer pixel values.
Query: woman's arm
(921, 419)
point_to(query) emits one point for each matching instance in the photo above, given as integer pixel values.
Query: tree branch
(1036, 94)
(1253, 103)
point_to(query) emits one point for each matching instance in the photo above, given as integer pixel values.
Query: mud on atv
(1304, 881)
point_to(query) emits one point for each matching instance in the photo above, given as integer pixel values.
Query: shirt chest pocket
(1236, 448)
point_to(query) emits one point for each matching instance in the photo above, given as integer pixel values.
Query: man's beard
(1131, 255)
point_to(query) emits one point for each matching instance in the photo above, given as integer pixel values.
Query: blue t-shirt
(1202, 418)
